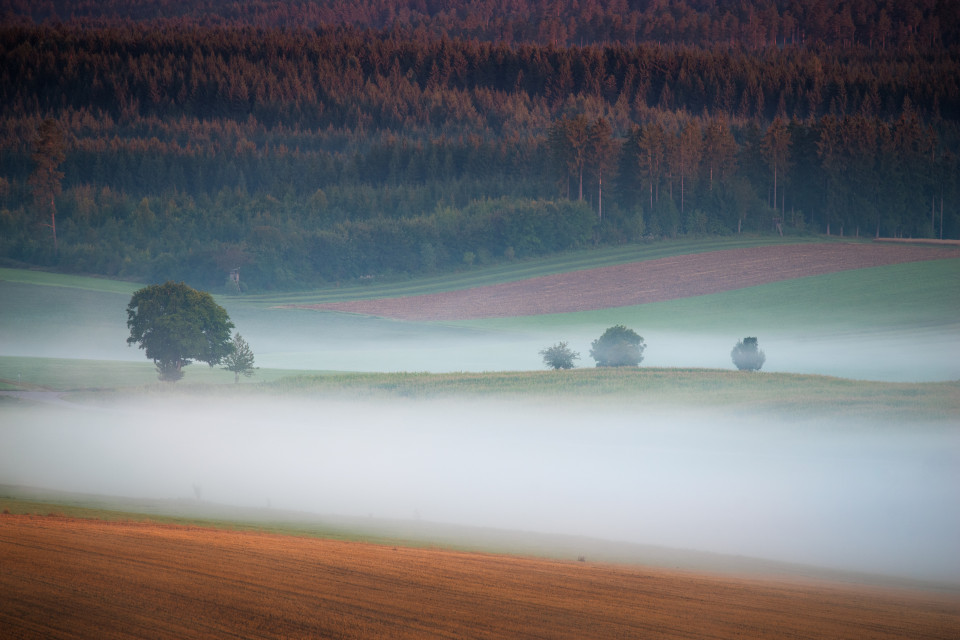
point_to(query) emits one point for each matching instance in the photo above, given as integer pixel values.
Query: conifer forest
(314, 142)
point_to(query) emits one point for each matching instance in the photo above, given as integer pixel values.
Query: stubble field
(642, 282)
(65, 577)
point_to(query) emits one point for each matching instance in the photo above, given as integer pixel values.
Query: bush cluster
(620, 346)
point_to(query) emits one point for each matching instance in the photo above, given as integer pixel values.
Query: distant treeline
(878, 24)
(304, 156)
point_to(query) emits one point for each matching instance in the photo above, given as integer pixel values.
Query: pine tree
(48, 153)
(240, 359)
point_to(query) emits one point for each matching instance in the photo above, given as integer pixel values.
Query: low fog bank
(908, 357)
(876, 498)
(56, 322)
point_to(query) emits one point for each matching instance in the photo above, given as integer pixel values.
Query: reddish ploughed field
(643, 282)
(65, 577)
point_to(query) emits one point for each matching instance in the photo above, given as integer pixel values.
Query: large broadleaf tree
(176, 325)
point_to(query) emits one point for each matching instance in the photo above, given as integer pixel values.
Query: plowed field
(63, 577)
(643, 282)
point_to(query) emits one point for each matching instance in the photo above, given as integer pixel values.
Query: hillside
(640, 282)
(896, 322)
(322, 142)
(190, 582)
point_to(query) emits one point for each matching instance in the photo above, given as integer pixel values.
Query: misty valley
(827, 490)
(487, 319)
(391, 423)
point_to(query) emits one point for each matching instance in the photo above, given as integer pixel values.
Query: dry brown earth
(643, 282)
(62, 577)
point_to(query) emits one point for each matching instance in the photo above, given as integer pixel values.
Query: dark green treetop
(618, 347)
(175, 325)
(747, 355)
(559, 356)
(240, 359)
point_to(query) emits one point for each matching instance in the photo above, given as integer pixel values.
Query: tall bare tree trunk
(600, 195)
(53, 225)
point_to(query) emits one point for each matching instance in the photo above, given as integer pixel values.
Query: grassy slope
(897, 298)
(59, 316)
(789, 394)
(914, 296)
(60, 374)
(509, 272)
(85, 283)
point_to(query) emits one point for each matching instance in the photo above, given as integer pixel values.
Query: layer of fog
(880, 498)
(62, 323)
(910, 358)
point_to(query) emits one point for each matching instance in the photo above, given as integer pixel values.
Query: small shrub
(618, 347)
(747, 356)
(559, 356)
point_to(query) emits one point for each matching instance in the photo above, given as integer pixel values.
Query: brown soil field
(643, 282)
(64, 577)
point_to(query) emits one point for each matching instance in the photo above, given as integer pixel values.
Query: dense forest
(314, 142)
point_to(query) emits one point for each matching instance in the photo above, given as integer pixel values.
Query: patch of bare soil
(64, 577)
(643, 282)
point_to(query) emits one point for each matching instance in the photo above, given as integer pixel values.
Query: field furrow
(64, 577)
(643, 282)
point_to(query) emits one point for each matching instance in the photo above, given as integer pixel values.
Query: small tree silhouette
(747, 355)
(240, 359)
(559, 356)
(618, 347)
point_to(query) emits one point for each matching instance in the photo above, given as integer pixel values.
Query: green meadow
(341, 401)
(910, 311)
(915, 296)
(74, 375)
(85, 381)
(519, 270)
(645, 385)
(786, 394)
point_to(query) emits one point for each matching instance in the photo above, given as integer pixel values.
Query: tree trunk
(681, 194)
(53, 226)
(774, 187)
(600, 195)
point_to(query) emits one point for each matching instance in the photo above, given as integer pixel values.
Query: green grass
(912, 296)
(49, 315)
(921, 294)
(519, 270)
(85, 283)
(791, 393)
(479, 276)
(61, 374)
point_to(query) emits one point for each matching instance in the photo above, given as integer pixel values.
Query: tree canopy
(400, 140)
(240, 359)
(618, 347)
(747, 355)
(559, 356)
(175, 325)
